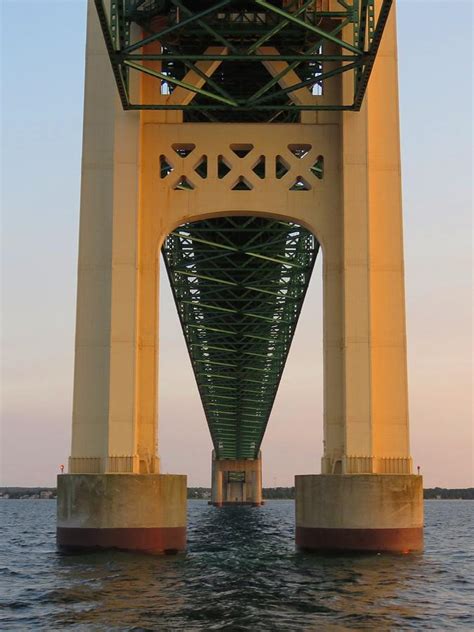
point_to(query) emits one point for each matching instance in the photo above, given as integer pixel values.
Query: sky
(42, 72)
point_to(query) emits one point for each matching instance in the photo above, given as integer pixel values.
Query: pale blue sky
(41, 116)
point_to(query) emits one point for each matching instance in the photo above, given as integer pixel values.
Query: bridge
(241, 140)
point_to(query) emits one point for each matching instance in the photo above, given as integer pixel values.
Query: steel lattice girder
(239, 284)
(239, 87)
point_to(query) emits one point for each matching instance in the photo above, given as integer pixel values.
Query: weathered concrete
(226, 492)
(125, 511)
(363, 512)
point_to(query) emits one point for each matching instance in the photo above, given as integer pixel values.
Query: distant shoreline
(204, 493)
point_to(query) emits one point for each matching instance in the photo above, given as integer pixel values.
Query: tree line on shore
(448, 494)
(204, 493)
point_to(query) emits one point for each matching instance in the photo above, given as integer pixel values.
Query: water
(241, 572)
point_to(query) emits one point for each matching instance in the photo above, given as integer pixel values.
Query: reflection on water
(241, 572)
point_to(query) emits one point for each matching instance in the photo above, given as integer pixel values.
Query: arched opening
(238, 283)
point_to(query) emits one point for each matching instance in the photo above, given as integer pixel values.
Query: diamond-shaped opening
(241, 150)
(300, 184)
(242, 185)
(183, 149)
(184, 184)
(201, 167)
(300, 151)
(223, 167)
(318, 168)
(259, 167)
(281, 167)
(165, 166)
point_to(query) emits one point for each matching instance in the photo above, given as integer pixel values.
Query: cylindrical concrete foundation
(359, 512)
(139, 512)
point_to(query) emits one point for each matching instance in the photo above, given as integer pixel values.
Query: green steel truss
(239, 284)
(240, 87)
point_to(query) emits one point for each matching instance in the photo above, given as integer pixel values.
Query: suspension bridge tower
(240, 139)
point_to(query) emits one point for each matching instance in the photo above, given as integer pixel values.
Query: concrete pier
(139, 512)
(359, 512)
(236, 482)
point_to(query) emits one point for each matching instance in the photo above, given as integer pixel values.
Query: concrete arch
(263, 213)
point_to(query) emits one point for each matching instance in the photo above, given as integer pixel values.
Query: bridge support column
(361, 512)
(114, 496)
(367, 497)
(122, 511)
(236, 482)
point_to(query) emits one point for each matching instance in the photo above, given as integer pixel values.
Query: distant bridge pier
(236, 482)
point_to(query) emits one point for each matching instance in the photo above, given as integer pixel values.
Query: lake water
(241, 572)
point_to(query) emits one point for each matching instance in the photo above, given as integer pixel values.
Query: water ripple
(241, 572)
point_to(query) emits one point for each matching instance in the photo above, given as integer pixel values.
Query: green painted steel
(239, 284)
(315, 39)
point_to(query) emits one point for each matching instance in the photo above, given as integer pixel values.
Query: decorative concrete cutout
(165, 166)
(300, 184)
(281, 167)
(241, 150)
(201, 167)
(223, 167)
(318, 168)
(242, 185)
(183, 149)
(184, 184)
(300, 151)
(259, 167)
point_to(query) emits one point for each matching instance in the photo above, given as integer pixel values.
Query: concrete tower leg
(114, 495)
(367, 497)
(236, 482)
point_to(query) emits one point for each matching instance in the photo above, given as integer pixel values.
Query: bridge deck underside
(239, 284)
(215, 59)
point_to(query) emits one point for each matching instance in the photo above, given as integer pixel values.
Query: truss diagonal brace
(205, 26)
(281, 25)
(283, 74)
(197, 76)
(178, 82)
(309, 27)
(192, 18)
